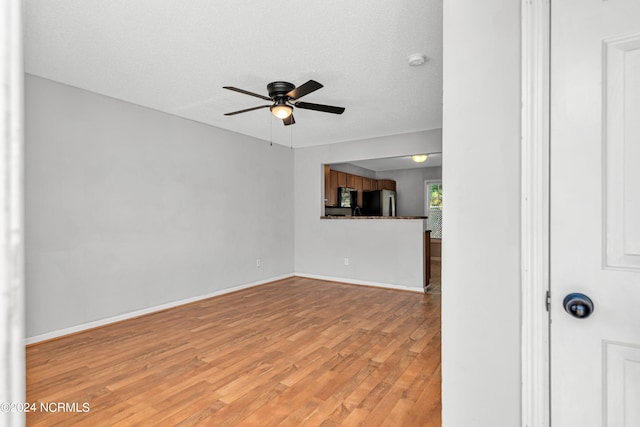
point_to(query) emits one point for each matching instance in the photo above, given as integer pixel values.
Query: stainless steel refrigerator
(379, 203)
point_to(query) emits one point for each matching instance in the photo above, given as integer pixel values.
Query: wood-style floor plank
(297, 352)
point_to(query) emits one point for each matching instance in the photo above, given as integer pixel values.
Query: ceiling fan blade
(247, 109)
(289, 121)
(246, 92)
(320, 107)
(304, 89)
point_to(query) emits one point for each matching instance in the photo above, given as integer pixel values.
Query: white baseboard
(137, 313)
(361, 282)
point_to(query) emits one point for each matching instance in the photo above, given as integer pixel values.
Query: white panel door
(595, 211)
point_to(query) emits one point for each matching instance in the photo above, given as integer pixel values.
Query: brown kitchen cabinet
(342, 179)
(351, 180)
(386, 184)
(358, 185)
(330, 187)
(369, 184)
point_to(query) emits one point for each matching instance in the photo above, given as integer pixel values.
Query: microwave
(347, 197)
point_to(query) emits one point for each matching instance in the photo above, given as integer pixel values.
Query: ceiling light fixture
(417, 59)
(419, 158)
(281, 110)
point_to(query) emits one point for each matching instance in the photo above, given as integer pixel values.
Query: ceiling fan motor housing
(279, 89)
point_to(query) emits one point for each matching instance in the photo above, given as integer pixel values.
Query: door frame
(426, 196)
(12, 357)
(534, 220)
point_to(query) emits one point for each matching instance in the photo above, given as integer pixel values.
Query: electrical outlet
(346, 261)
(258, 262)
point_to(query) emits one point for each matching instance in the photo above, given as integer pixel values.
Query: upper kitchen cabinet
(342, 179)
(351, 180)
(330, 186)
(369, 184)
(334, 179)
(386, 184)
(356, 182)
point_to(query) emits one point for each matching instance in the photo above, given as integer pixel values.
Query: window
(433, 207)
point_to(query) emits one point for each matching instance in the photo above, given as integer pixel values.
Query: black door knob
(578, 305)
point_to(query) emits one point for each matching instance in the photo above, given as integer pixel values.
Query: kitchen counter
(371, 217)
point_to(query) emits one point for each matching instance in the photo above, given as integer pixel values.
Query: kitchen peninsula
(419, 228)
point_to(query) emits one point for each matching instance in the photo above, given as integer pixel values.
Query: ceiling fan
(284, 96)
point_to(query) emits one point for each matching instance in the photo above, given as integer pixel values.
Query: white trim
(12, 358)
(361, 282)
(138, 313)
(535, 212)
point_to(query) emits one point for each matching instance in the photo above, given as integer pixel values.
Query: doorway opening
(433, 211)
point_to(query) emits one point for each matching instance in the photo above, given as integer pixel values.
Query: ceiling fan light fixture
(281, 110)
(419, 158)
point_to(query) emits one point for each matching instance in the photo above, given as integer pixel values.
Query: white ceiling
(175, 56)
(399, 163)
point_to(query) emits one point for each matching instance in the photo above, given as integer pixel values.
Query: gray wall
(128, 208)
(480, 252)
(381, 251)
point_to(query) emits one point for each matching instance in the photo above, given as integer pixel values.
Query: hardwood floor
(298, 352)
(435, 282)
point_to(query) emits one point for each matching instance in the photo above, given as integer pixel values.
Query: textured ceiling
(399, 163)
(175, 56)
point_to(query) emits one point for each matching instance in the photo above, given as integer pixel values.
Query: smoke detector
(417, 59)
